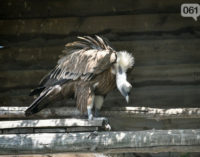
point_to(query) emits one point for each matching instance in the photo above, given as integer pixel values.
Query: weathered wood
(172, 74)
(18, 131)
(107, 142)
(148, 95)
(136, 112)
(62, 155)
(137, 124)
(54, 129)
(53, 8)
(146, 52)
(98, 24)
(70, 122)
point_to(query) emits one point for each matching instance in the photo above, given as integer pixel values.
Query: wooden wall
(166, 46)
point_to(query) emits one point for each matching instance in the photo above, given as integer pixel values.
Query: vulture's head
(124, 62)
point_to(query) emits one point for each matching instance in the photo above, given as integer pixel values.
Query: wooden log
(147, 53)
(31, 9)
(168, 74)
(135, 112)
(70, 122)
(151, 141)
(98, 24)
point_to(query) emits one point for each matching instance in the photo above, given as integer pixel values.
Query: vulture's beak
(123, 85)
(127, 99)
(125, 91)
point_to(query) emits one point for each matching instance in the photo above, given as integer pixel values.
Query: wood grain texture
(98, 24)
(146, 52)
(119, 120)
(129, 111)
(72, 122)
(106, 142)
(163, 96)
(31, 9)
(163, 74)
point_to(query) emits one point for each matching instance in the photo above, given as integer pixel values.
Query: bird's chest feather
(104, 83)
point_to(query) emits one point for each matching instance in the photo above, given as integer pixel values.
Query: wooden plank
(126, 122)
(53, 8)
(150, 141)
(161, 52)
(135, 112)
(137, 124)
(18, 131)
(148, 95)
(23, 57)
(162, 96)
(163, 74)
(146, 52)
(70, 122)
(98, 24)
(48, 130)
(82, 129)
(59, 155)
(21, 79)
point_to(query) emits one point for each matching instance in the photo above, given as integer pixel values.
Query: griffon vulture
(88, 71)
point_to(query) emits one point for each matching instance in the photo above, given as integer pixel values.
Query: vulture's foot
(106, 124)
(90, 115)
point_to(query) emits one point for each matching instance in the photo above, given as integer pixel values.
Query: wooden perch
(71, 122)
(53, 125)
(137, 112)
(150, 141)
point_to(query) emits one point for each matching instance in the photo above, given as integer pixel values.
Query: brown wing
(82, 60)
(84, 96)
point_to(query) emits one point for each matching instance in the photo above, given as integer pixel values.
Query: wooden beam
(63, 155)
(151, 141)
(171, 51)
(179, 74)
(70, 122)
(22, 9)
(136, 112)
(97, 24)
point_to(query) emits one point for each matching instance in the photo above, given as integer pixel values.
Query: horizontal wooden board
(105, 142)
(142, 76)
(71, 122)
(33, 58)
(53, 8)
(98, 24)
(174, 96)
(111, 112)
(130, 124)
(24, 78)
(120, 122)
(146, 52)
(159, 96)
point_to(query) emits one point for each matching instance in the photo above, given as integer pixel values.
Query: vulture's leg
(98, 101)
(90, 106)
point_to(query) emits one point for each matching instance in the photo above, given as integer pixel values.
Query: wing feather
(86, 59)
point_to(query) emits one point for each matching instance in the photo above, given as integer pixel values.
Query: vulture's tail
(42, 101)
